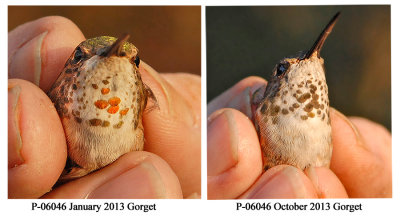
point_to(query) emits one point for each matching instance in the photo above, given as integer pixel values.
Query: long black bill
(322, 37)
(116, 47)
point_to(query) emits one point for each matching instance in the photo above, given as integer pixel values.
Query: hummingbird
(291, 114)
(100, 99)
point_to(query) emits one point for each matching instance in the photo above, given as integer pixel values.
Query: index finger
(172, 131)
(37, 50)
(238, 96)
(361, 156)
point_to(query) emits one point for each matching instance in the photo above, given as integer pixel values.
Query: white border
(200, 209)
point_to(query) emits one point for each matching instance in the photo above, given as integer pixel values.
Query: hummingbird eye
(78, 55)
(282, 68)
(137, 61)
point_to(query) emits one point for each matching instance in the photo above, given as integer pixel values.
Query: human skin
(169, 166)
(361, 165)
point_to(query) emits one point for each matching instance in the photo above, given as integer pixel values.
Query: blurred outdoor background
(168, 37)
(245, 41)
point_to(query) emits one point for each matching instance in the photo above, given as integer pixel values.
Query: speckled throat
(100, 98)
(292, 115)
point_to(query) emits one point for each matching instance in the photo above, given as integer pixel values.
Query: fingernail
(28, 55)
(350, 124)
(214, 115)
(222, 142)
(160, 82)
(283, 183)
(243, 100)
(257, 94)
(312, 175)
(14, 134)
(38, 58)
(140, 182)
(194, 195)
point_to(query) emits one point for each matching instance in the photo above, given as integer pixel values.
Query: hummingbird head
(102, 48)
(306, 70)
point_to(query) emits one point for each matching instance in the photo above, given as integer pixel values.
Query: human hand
(360, 165)
(168, 168)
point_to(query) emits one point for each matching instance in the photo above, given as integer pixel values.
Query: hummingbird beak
(116, 48)
(316, 48)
